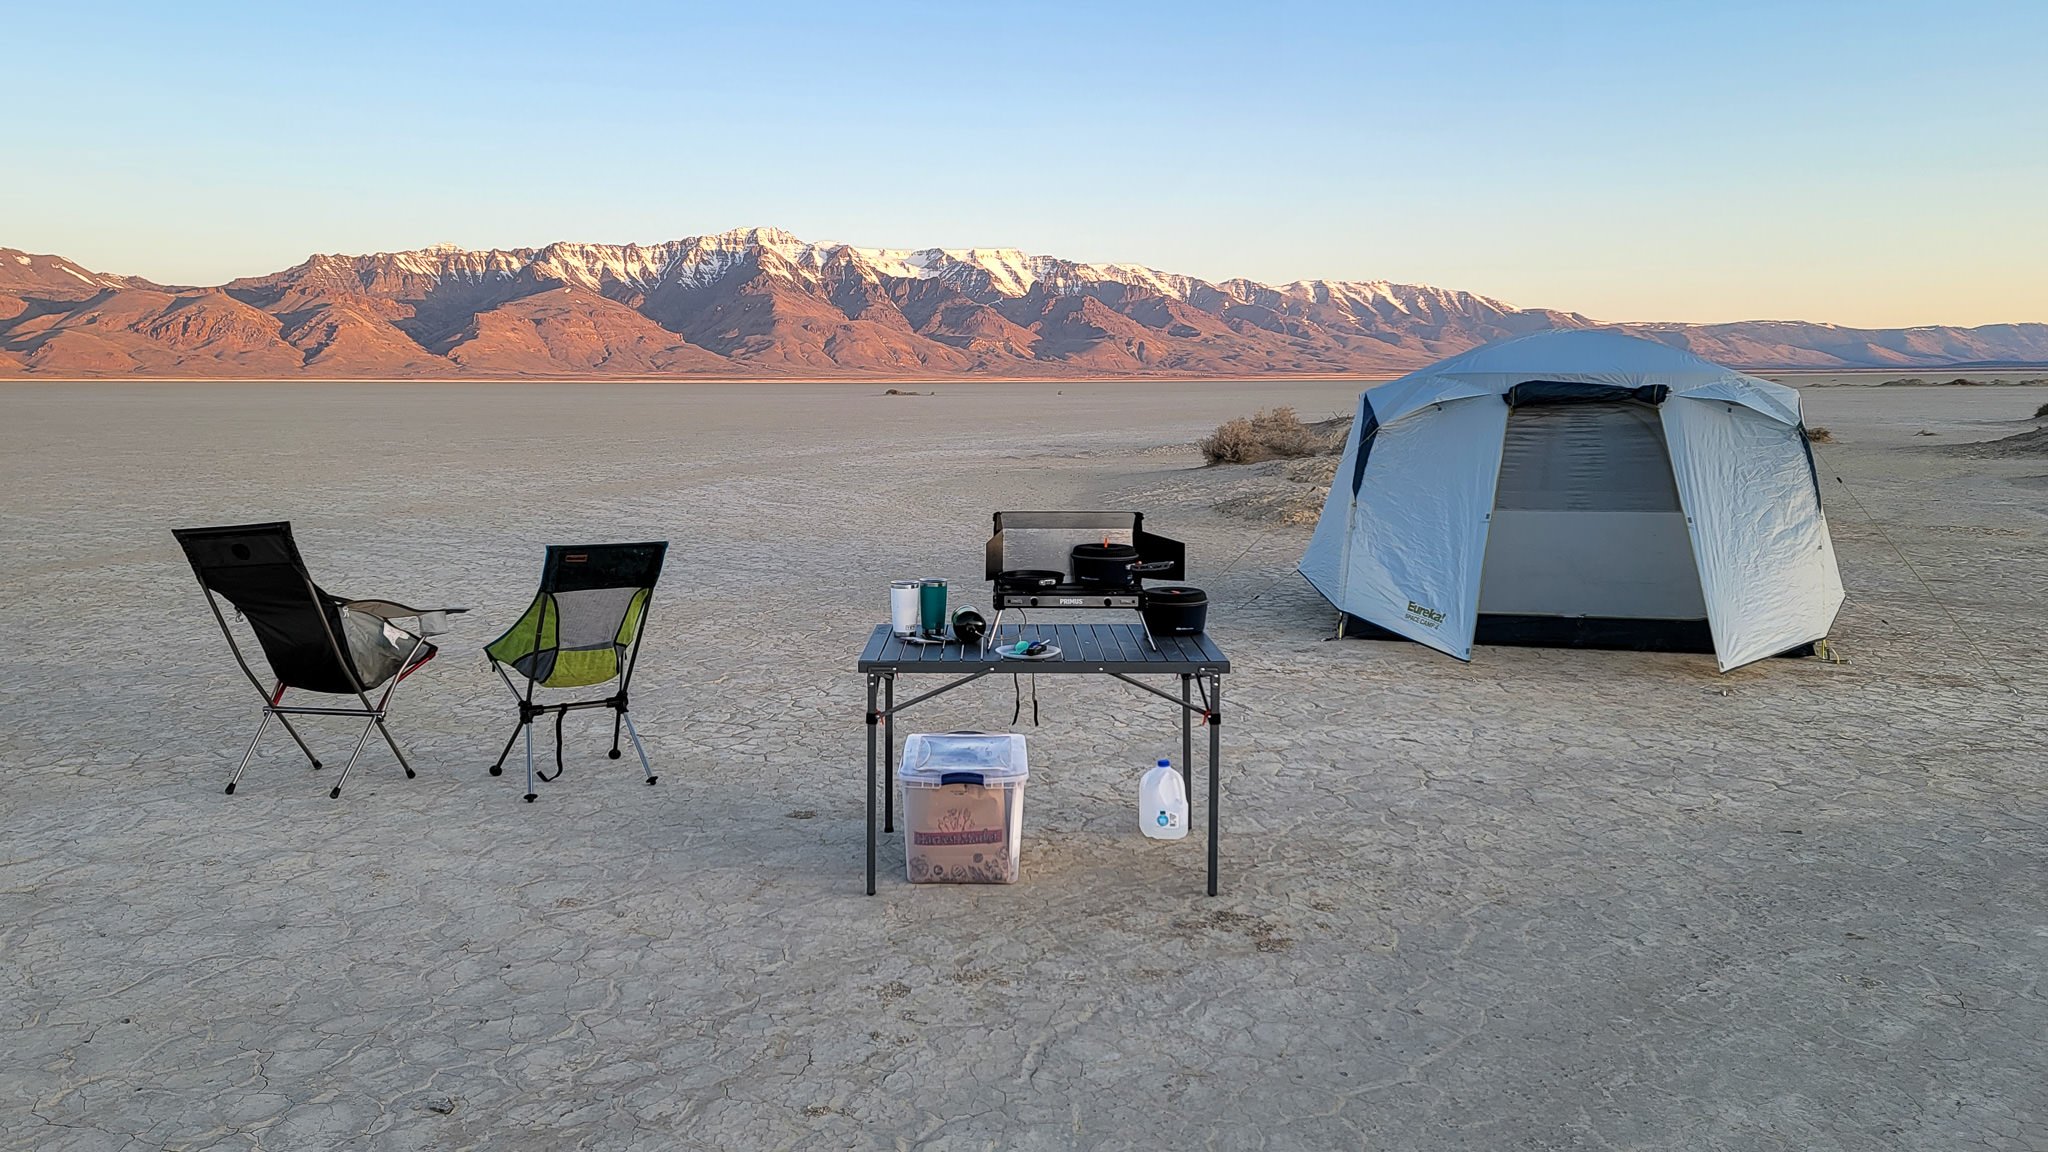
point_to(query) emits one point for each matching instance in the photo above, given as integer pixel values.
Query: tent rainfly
(1580, 486)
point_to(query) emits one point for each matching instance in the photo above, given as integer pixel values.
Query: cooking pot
(1111, 565)
(1028, 579)
(1175, 610)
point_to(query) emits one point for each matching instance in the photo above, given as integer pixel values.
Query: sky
(1871, 163)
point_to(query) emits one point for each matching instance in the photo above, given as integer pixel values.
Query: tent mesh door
(1586, 519)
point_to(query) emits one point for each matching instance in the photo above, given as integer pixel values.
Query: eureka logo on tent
(1425, 616)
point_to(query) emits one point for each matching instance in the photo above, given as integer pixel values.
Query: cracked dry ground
(1546, 900)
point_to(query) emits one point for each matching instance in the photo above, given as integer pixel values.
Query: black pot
(1111, 565)
(1175, 610)
(1028, 579)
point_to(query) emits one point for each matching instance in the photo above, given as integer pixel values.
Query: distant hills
(761, 302)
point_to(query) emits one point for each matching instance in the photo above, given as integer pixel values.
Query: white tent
(1580, 476)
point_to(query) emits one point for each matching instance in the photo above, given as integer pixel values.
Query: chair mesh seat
(573, 639)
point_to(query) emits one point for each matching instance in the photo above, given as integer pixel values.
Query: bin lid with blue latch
(991, 759)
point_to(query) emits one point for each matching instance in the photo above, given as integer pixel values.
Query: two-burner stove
(1069, 596)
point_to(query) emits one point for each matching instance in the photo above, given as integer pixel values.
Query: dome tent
(1580, 483)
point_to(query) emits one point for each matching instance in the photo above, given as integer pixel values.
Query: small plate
(1052, 652)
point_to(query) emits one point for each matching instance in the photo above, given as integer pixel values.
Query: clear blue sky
(1864, 163)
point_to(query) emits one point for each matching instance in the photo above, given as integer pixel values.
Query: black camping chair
(583, 628)
(313, 641)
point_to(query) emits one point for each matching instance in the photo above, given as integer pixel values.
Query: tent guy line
(1954, 621)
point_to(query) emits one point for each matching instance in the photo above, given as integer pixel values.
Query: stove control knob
(1107, 602)
(1034, 601)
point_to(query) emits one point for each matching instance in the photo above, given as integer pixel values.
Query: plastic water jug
(1163, 803)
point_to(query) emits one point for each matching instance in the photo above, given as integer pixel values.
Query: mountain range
(760, 302)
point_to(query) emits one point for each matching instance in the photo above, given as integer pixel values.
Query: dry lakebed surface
(1549, 899)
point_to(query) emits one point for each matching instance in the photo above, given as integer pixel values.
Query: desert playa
(1549, 899)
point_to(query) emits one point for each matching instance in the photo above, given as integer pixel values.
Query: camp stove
(1067, 596)
(1029, 561)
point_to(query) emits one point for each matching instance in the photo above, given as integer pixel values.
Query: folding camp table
(1120, 651)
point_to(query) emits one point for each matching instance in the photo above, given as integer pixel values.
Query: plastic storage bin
(963, 806)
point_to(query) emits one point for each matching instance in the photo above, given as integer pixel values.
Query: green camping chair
(583, 628)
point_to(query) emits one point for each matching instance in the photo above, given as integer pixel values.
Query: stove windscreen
(1046, 540)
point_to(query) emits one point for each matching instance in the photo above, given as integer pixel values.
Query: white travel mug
(903, 610)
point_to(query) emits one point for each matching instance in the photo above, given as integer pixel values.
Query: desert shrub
(1273, 434)
(1233, 442)
(1283, 433)
(1820, 435)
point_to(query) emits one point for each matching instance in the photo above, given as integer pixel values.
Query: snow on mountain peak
(699, 261)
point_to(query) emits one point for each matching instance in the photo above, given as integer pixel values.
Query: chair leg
(639, 747)
(253, 741)
(531, 795)
(276, 695)
(618, 714)
(335, 794)
(301, 742)
(402, 762)
(498, 769)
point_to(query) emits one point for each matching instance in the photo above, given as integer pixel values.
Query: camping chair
(583, 628)
(314, 641)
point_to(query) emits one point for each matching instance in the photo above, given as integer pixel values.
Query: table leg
(1215, 752)
(1187, 743)
(1187, 731)
(889, 753)
(871, 782)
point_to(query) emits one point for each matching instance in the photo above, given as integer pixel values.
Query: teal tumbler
(931, 606)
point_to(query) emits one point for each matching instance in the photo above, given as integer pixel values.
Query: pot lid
(1109, 551)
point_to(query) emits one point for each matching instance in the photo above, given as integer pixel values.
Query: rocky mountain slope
(761, 302)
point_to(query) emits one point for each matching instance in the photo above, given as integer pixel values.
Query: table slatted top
(1083, 648)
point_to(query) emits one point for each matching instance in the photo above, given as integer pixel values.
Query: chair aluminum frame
(272, 698)
(529, 711)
